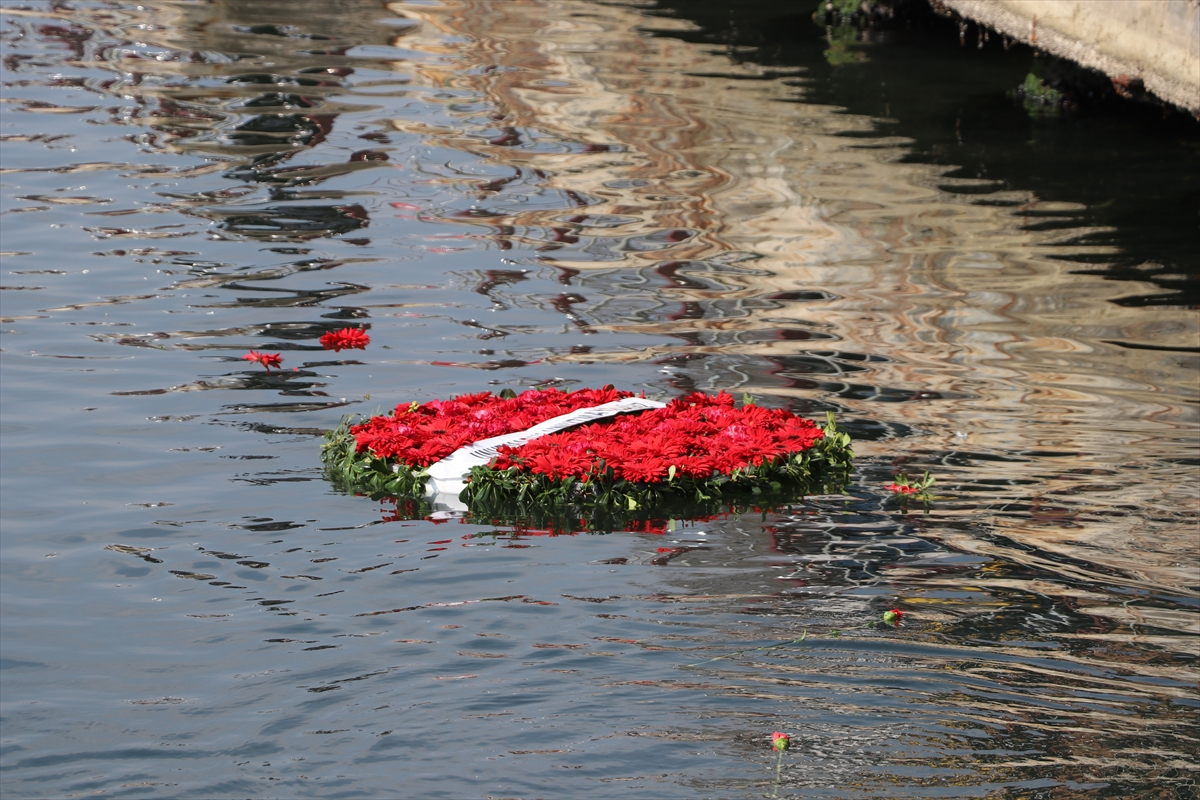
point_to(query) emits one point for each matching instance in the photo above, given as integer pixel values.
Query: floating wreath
(690, 456)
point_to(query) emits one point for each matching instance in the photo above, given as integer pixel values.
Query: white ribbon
(446, 477)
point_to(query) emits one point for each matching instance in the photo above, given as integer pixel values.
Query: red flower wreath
(698, 455)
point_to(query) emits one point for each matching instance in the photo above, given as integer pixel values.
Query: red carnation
(268, 360)
(780, 741)
(693, 436)
(418, 435)
(897, 488)
(345, 339)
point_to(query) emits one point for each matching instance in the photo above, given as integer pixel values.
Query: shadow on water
(688, 196)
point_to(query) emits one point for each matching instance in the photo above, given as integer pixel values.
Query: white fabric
(446, 476)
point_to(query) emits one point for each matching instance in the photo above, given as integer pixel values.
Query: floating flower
(345, 339)
(268, 360)
(780, 741)
(903, 488)
(893, 617)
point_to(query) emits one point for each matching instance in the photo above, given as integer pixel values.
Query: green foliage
(1036, 89)
(1039, 97)
(362, 473)
(842, 47)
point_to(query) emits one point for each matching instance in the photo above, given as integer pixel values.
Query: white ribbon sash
(446, 477)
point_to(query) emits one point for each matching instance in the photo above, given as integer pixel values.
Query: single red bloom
(893, 617)
(896, 488)
(268, 360)
(345, 339)
(780, 741)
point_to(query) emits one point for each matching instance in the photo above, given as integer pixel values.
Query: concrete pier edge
(1152, 42)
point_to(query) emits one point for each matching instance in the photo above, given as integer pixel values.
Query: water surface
(571, 193)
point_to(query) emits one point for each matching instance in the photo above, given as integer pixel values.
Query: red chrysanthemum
(345, 339)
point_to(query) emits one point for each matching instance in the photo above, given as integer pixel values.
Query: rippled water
(578, 193)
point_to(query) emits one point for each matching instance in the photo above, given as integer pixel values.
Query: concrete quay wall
(1154, 42)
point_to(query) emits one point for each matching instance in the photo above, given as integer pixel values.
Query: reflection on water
(558, 193)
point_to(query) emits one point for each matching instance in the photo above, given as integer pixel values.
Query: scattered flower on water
(345, 339)
(893, 617)
(903, 488)
(780, 741)
(268, 360)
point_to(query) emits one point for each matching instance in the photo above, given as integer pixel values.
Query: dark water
(504, 195)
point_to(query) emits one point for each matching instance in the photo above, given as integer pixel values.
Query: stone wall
(1154, 43)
